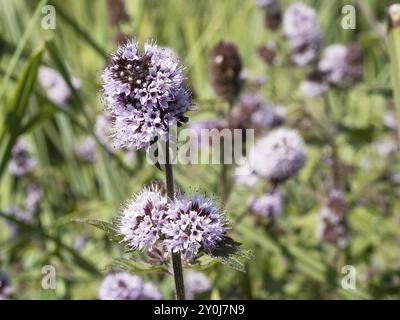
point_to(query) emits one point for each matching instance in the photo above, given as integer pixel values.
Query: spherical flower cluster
(85, 150)
(245, 175)
(195, 283)
(143, 217)
(33, 196)
(225, 67)
(20, 215)
(145, 94)
(252, 112)
(267, 52)
(385, 146)
(300, 26)
(5, 285)
(389, 120)
(272, 12)
(314, 84)
(332, 222)
(125, 286)
(194, 224)
(341, 64)
(55, 86)
(278, 155)
(268, 205)
(21, 161)
(187, 224)
(333, 62)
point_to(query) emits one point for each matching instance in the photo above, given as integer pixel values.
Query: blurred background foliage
(289, 263)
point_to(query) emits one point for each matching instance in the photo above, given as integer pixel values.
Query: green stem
(176, 256)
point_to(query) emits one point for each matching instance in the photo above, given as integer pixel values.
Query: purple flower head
(125, 286)
(341, 64)
(300, 26)
(102, 130)
(245, 175)
(5, 285)
(150, 292)
(268, 205)
(120, 286)
(55, 86)
(278, 155)
(224, 67)
(20, 215)
(196, 282)
(21, 161)
(194, 223)
(145, 94)
(85, 150)
(34, 194)
(332, 220)
(252, 112)
(142, 218)
(187, 224)
(314, 84)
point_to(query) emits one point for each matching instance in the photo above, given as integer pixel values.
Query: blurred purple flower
(21, 161)
(252, 113)
(5, 285)
(300, 26)
(314, 84)
(19, 215)
(268, 205)
(33, 196)
(150, 292)
(55, 86)
(278, 155)
(85, 150)
(195, 283)
(332, 222)
(125, 286)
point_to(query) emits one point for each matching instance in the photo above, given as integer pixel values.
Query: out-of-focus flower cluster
(300, 26)
(196, 283)
(5, 285)
(56, 87)
(125, 286)
(332, 220)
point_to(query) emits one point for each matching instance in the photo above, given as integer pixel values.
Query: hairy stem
(176, 257)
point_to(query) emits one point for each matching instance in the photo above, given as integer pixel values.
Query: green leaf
(232, 254)
(134, 266)
(84, 35)
(21, 44)
(204, 262)
(394, 53)
(105, 226)
(17, 106)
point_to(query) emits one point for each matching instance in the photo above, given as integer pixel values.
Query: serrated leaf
(105, 226)
(134, 266)
(204, 262)
(232, 254)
